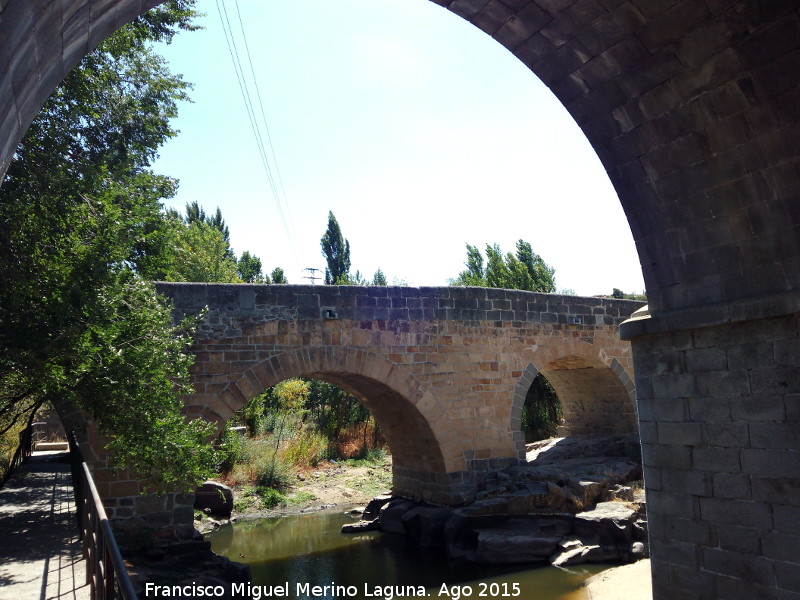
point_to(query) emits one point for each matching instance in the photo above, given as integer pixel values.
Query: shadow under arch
(596, 399)
(413, 426)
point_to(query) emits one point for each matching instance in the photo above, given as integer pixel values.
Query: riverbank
(329, 485)
(632, 582)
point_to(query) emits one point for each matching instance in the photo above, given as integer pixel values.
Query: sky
(420, 132)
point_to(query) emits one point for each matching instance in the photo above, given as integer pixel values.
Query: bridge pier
(719, 410)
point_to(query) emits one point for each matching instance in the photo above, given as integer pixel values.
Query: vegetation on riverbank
(290, 429)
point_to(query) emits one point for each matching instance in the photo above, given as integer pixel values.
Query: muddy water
(290, 555)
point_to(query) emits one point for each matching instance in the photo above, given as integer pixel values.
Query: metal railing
(105, 570)
(22, 452)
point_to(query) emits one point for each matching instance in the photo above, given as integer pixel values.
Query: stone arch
(594, 400)
(423, 451)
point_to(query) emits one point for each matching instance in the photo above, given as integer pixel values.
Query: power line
(252, 116)
(281, 189)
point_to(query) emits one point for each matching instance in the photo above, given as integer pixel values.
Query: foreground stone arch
(692, 106)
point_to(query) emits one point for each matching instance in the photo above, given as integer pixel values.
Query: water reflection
(309, 549)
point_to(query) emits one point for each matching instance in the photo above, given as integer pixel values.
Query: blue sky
(416, 129)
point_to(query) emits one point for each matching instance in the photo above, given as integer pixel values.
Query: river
(298, 552)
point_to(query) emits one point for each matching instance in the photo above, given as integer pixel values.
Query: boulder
(424, 525)
(214, 498)
(574, 551)
(373, 508)
(391, 515)
(361, 526)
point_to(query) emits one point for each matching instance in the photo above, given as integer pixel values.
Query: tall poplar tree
(336, 250)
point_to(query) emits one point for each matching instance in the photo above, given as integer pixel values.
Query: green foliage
(524, 270)
(80, 232)
(201, 254)
(270, 498)
(252, 414)
(619, 294)
(347, 279)
(379, 278)
(301, 497)
(231, 450)
(308, 449)
(196, 214)
(369, 458)
(336, 251)
(274, 472)
(278, 276)
(248, 267)
(541, 413)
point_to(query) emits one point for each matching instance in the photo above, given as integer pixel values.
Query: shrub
(308, 449)
(270, 497)
(273, 471)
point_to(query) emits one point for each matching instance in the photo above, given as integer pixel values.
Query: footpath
(40, 555)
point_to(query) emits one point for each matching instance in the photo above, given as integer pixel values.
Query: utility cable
(252, 117)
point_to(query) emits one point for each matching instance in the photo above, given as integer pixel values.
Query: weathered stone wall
(444, 370)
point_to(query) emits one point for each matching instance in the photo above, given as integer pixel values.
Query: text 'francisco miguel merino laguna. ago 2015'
(249, 591)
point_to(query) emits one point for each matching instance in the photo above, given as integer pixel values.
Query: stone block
(723, 460)
(747, 567)
(775, 435)
(673, 386)
(733, 486)
(746, 540)
(727, 435)
(781, 546)
(695, 483)
(776, 490)
(668, 457)
(736, 512)
(787, 518)
(681, 434)
(771, 463)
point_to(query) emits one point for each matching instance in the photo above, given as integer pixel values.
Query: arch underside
(593, 399)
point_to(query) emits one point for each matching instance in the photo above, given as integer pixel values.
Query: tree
(201, 254)
(196, 214)
(524, 270)
(80, 231)
(379, 278)
(336, 250)
(278, 276)
(248, 268)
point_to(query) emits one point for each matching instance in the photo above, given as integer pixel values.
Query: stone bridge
(444, 370)
(692, 107)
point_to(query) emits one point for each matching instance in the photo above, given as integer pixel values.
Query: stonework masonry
(444, 370)
(693, 107)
